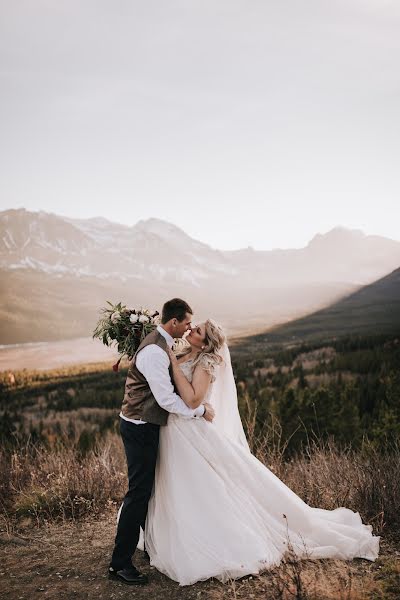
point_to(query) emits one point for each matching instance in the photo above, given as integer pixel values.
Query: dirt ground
(69, 561)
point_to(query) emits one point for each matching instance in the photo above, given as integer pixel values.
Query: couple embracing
(206, 506)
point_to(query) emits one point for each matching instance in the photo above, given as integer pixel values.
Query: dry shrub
(304, 580)
(61, 483)
(365, 481)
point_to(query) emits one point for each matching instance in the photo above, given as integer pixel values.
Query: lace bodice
(206, 361)
(188, 370)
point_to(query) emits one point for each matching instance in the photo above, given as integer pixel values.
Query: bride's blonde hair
(209, 356)
(215, 338)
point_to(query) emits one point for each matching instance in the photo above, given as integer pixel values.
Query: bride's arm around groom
(154, 364)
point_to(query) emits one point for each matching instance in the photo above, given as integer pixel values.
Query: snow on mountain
(96, 247)
(162, 251)
(104, 233)
(21, 230)
(70, 267)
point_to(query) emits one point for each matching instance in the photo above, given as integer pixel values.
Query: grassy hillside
(374, 309)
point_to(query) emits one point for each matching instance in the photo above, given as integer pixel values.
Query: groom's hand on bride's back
(209, 412)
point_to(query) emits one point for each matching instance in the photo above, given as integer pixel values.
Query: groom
(149, 398)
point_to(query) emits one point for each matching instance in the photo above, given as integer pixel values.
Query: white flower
(115, 317)
(133, 318)
(143, 319)
(145, 311)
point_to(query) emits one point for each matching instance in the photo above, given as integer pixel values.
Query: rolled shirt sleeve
(153, 362)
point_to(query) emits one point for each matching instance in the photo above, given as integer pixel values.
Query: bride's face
(197, 336)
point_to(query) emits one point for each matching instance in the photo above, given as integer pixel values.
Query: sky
(244, 122)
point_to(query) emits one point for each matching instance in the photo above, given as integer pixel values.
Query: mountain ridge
(71, 266)
(372, 309)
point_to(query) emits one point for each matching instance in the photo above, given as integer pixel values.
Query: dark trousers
(141, 448)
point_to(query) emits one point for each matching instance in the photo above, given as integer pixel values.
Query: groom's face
(181, 327)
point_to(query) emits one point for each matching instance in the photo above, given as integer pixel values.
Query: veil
(223, 398)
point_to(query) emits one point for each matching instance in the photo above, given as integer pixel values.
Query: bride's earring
(202, 347)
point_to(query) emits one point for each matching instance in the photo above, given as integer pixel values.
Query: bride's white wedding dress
(217, 511)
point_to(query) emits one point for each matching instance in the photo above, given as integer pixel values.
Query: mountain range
(56, 273)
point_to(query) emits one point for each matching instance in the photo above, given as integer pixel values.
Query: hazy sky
(251, 122)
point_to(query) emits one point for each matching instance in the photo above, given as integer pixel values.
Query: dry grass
(59, 483)
(59, 488)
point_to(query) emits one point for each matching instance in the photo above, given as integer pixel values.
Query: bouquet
(125, 328)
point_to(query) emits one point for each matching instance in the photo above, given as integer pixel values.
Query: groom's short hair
(175, 309)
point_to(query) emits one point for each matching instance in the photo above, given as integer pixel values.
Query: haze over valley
(56, 273)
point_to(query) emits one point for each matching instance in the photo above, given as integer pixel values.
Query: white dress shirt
(153, 362)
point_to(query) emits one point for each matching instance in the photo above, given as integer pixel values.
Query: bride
(217, 511)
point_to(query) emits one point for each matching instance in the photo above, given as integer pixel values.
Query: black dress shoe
(129, 575)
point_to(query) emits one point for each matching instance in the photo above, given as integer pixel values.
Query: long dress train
(217, 511)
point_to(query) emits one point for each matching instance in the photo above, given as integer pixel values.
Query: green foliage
(348, 391)
(76, 405)
(126, 328)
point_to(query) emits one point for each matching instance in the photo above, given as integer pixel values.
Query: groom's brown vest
(139, 402)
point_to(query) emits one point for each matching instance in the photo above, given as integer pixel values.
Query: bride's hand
(172, 357)
(209, 412)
